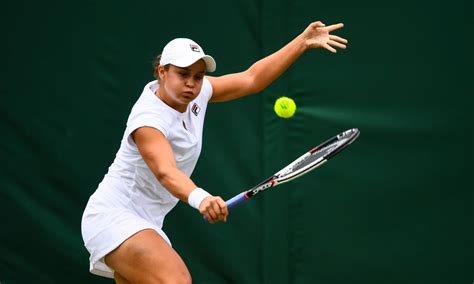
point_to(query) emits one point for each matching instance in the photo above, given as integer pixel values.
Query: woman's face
(181, 85)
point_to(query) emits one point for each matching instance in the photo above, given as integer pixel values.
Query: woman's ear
(161, 71)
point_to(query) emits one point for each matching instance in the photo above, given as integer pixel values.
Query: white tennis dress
(130, 198)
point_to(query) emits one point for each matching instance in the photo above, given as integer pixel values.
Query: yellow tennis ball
(285, 107)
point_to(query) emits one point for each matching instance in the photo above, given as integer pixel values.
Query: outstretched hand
(317, 35)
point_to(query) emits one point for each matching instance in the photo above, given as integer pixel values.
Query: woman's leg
(147, 258)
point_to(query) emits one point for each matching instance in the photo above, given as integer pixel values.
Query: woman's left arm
(266, 70)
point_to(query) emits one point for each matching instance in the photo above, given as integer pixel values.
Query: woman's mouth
(188, 95)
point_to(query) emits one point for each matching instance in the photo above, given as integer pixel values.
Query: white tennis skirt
(107, 223)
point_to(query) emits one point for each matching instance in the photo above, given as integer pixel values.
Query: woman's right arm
(263, 72)
(158, 155)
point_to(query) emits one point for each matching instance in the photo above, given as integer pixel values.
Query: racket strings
(316, 156)
(312, 159)
(329, 148)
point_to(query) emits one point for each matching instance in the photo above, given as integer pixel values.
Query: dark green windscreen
(395, 207)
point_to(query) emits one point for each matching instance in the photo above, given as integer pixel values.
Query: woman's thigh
(147, 258)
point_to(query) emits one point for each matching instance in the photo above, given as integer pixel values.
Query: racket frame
(280, 177)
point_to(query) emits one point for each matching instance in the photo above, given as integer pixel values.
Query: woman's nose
(190, 83)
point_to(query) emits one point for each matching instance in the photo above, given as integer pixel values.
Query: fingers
(330, 48)
(221, 209)
(319, 35)
(319, 24)
(215, 209)
(336, 44)
(315, 26)
(334, 27)
(337, 38)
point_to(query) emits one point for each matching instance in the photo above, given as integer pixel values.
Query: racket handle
(234, 201)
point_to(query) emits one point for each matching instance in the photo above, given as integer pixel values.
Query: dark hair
(156, 63)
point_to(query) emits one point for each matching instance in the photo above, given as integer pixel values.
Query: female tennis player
(122, 222)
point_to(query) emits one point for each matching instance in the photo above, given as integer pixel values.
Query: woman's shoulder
(206, 89)
(150, 106)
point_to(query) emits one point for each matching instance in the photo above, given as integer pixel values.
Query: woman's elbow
(164, 175)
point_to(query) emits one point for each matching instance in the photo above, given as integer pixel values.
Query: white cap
(183, 52)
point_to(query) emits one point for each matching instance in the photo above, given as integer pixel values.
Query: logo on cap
(194, 47)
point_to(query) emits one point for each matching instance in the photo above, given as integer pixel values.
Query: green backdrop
(394, 208)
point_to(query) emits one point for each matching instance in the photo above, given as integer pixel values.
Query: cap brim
(188, 61)
(210, 63)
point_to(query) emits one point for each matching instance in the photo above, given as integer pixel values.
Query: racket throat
(270, 182)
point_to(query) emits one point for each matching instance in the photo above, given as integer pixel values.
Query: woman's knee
(173, 271)
(152, 269)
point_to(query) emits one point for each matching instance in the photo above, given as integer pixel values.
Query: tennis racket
(304, 164)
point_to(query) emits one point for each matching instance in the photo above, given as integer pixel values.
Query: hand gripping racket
(304, 164)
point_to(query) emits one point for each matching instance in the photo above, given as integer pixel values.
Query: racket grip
(234, 201)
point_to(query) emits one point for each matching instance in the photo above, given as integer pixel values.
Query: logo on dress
(195, 109)
(194, 47)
